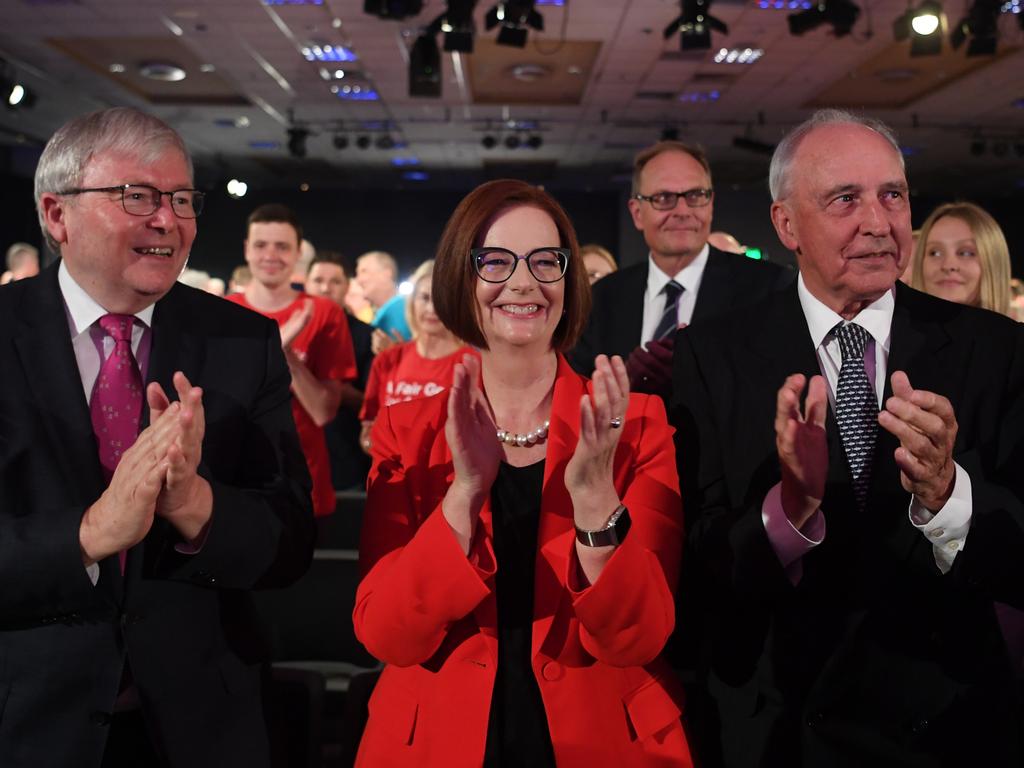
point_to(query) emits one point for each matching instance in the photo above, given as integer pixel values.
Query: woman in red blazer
(523, 529)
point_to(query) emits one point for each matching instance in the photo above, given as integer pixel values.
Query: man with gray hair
(850, 455)
(377, 275)
(150, 474)
(22, 262)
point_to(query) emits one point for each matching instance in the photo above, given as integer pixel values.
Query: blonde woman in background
(962, 256)
(418, 368)
(598, 261)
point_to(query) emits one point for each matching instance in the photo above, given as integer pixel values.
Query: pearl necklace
(515, 439)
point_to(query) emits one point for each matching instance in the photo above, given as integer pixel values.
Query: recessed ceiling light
(740, 55)
(162, 71)
(117, 69)
(207, 68)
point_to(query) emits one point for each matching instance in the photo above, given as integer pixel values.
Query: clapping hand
(589, 474)
(291, 327)
(802, 446)
(476, 453)
(926, 427)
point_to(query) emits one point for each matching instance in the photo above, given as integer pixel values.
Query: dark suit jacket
(617, 315)
(185, 622)
(875, 657)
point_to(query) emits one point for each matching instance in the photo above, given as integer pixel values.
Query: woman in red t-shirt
(418, 368)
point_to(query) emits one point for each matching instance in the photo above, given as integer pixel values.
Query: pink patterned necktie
(116, 403)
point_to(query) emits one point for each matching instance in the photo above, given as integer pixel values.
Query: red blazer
(430, 614)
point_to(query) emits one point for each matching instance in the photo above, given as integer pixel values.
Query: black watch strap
(613, 534)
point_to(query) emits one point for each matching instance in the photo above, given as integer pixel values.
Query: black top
(517, 732)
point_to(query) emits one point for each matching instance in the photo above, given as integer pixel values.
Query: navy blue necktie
(856, 408)
(669, 320)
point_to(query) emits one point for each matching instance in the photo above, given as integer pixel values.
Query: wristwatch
(614, 532)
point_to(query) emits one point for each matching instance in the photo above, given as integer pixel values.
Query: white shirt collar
(83, 310)
(688, 277)
(876, 318)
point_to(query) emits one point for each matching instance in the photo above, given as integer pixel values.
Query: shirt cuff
(789, 543)
(93, 572)
(195, 546)
(946, 529)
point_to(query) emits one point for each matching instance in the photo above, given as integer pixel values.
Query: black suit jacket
(875, 657)
(184, 621)
(617, 315)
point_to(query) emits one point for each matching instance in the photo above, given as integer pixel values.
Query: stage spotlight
(385, 142)
(512, 141)
(516, 17)
(17, 95)
(340, 141)
(457, 25)
(363, 142)
(393, 9)
(978, 147)
(237, 189)
(488, 142)
(694, 25)
(923, 25)
(1000, 148)
(535, 141)
(980, 26)
(840, 14)
(297, 141)
(425, 68)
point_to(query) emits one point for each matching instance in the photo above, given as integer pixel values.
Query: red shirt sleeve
(330, 355)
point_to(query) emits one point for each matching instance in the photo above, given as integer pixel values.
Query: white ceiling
(589, 144)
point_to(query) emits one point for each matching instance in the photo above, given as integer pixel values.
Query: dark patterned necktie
(856, 408)
(670, 317)
(116, 402)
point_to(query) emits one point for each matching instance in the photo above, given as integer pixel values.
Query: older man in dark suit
(850, 457)
(636, 310)
(150, 474)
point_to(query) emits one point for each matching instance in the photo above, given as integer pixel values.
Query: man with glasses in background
(150, 474)
(637, 309)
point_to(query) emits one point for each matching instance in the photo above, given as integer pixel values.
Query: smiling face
(124, 262)
(520, 312)
(951, 266)
(847, 215)
(675, 237)
(271, 251)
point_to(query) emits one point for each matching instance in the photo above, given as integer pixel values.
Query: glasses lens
(187, 203)
(695, 198)
(494, 266)
(547, 265)
(141, 200)
(664, 201)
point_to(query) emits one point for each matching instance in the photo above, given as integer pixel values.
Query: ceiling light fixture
(488, 142)
(980, 27)
(340, 141)
(535, 141)
(512, 141)
(363, 142)
(457, 25)
(164, 71)
(392, 9)
(514, 18)
(237, 189)
(694, 25)
(425, 67)
(297, 142)
(923, 25)
(841, 15)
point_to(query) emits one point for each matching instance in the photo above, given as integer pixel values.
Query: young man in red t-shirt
(314, 336)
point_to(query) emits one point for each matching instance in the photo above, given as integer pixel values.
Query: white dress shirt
(654, 300)
(946, 529)
(91, 345)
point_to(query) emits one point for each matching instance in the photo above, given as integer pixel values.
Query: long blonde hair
(994, 291)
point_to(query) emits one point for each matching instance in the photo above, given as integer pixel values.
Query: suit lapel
(714, 293)
(556, 513)
(626, 314)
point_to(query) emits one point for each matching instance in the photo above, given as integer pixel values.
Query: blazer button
(99, 718)
(552, 671)
(816, 720)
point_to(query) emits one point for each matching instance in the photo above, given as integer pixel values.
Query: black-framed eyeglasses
(143, 200)
(666, 201)
(496, 265)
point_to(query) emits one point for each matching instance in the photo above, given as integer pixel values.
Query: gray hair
(19, 253)
(778, 173)
(384, 259)
(124, 130)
